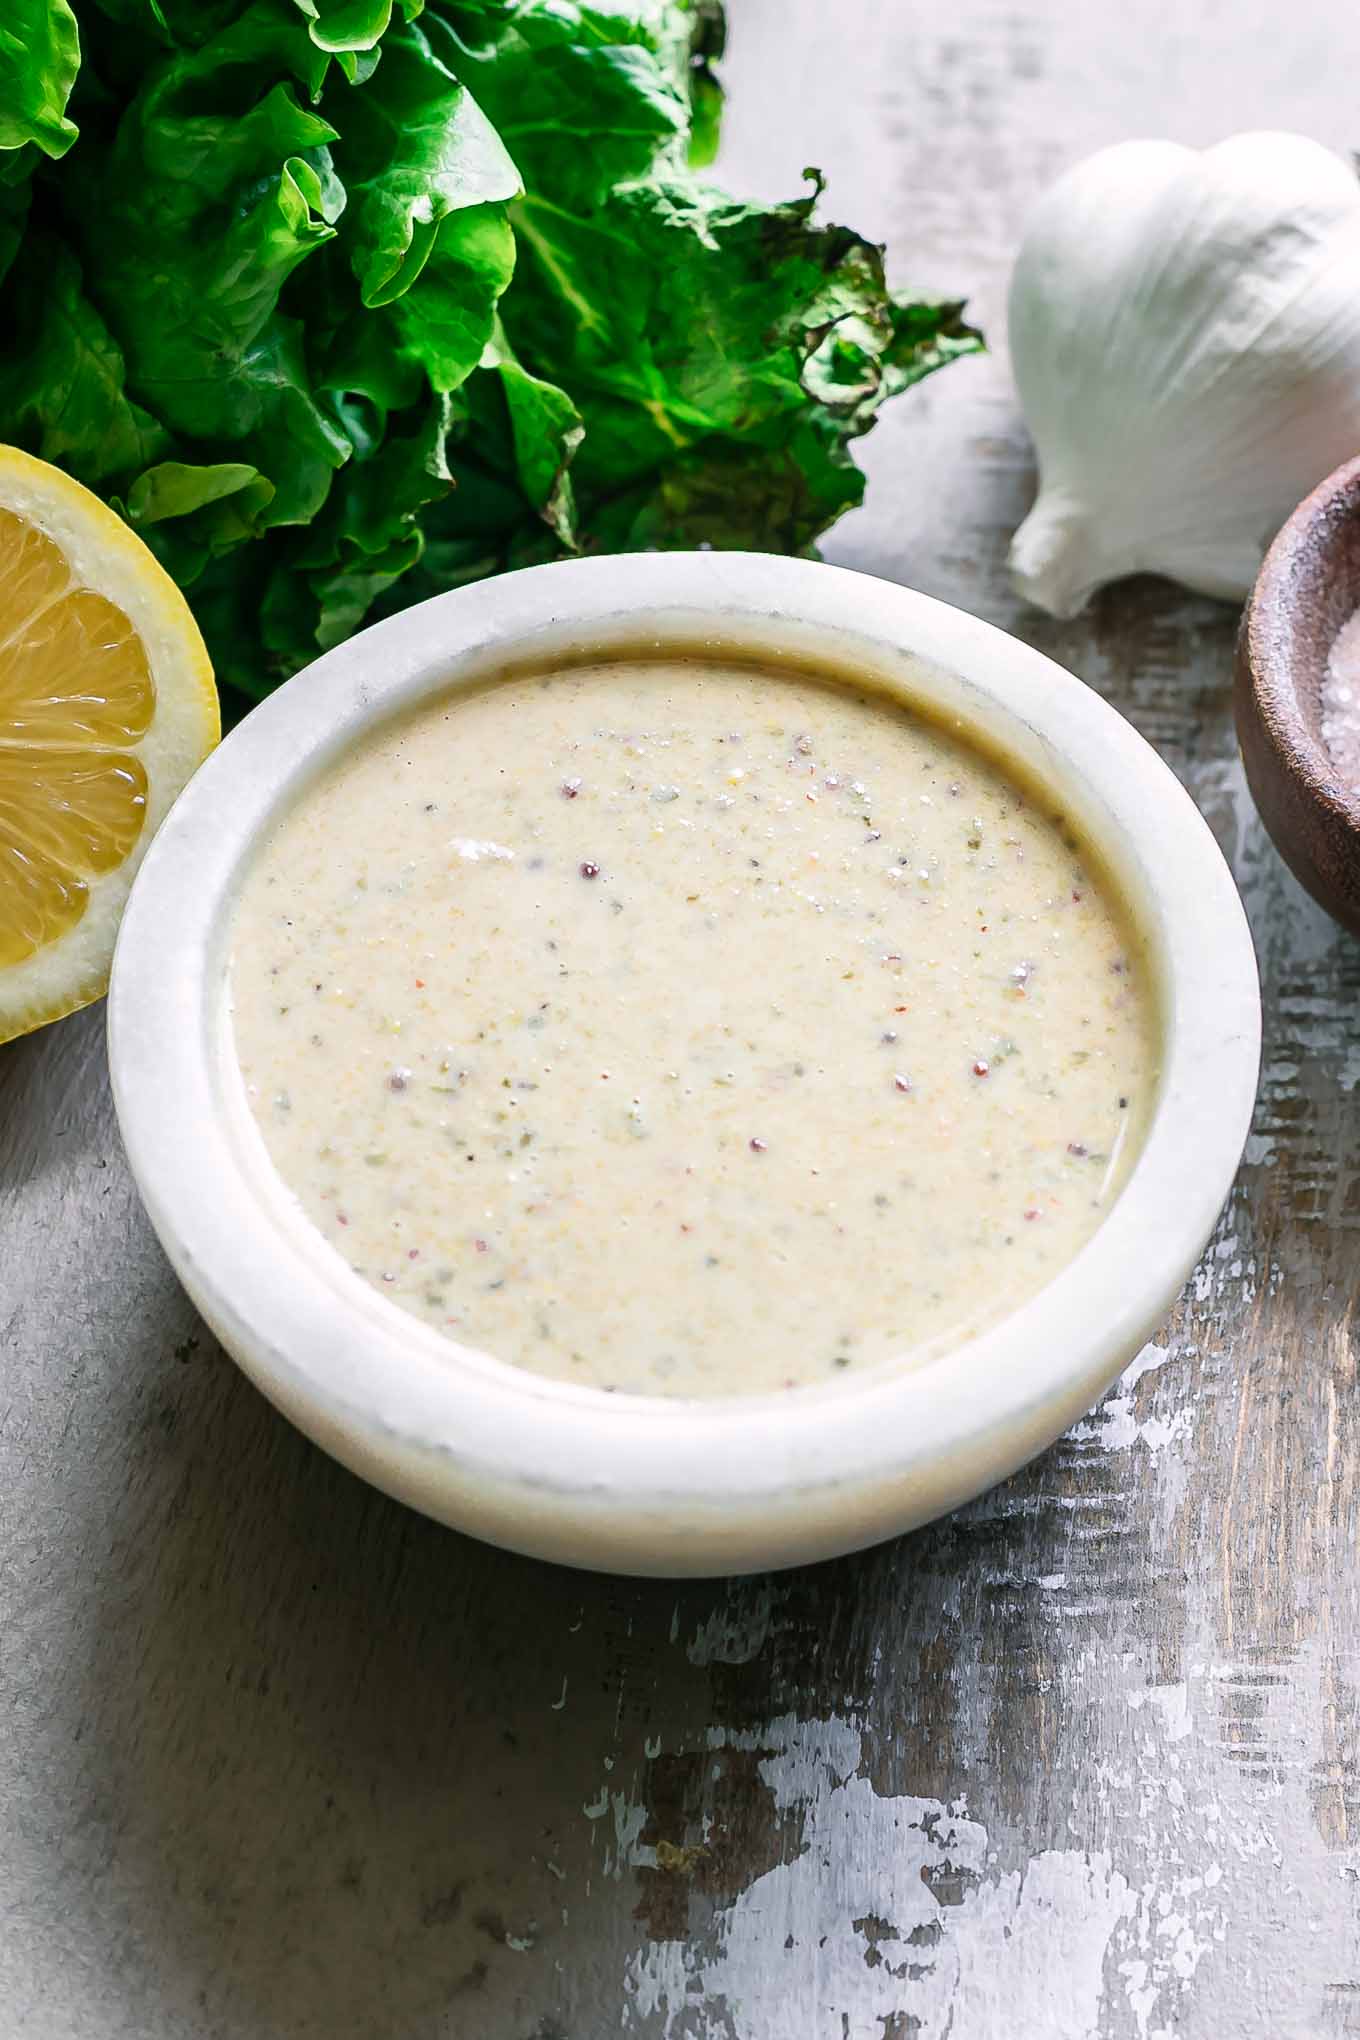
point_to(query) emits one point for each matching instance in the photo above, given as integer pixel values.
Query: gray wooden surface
(278, 1758)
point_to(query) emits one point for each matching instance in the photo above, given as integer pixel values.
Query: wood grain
(278, 1758)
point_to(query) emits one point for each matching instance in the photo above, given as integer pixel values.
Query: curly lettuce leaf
(351, 25)
(546, 429)
(587, 97)
(447, 319)
(429, 178)
(63, 388)
(39, 59)
(191, 513)
(724, 354)
(345, 301)
(417, 151)
(218, 162)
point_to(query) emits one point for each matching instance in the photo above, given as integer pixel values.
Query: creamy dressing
(689, 1029)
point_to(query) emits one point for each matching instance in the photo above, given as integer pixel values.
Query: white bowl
(634, 1483)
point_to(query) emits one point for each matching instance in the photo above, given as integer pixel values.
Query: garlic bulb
(1185, 333)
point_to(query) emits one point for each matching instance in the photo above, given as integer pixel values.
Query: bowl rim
(759, 1479)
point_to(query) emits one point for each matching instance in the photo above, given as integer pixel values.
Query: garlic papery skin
(1185, 336)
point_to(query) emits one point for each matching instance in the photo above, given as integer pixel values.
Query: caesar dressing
(690, 1028)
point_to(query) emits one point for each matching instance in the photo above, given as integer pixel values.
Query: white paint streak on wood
(1115, 1426)
(894, 1908)
(735, 1633)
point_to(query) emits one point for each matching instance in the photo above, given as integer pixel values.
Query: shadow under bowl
(1307, 589)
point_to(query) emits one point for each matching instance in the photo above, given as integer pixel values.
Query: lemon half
(107, 705)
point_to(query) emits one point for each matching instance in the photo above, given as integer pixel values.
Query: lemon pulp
(75, 694)
(107, 708)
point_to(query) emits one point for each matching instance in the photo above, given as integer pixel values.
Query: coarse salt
(1341, 700)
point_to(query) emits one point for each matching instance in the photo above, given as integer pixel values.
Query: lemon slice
(107, 705)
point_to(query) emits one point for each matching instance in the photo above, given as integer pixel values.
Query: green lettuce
(39, 59)
(342, 302)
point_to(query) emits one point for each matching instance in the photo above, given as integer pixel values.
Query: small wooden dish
(1308, 587)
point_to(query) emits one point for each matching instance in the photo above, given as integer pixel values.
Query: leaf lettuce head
(342, 302)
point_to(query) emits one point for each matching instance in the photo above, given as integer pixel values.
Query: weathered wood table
(278, 1758)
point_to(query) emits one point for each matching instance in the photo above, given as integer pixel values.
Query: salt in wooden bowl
(1307, 591)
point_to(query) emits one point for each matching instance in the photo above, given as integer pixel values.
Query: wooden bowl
(1308, 587)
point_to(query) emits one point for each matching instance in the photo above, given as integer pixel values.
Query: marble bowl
(1308, 587)
(633, 1483)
